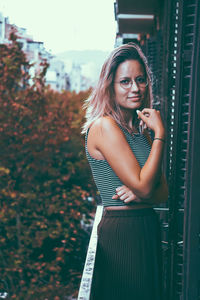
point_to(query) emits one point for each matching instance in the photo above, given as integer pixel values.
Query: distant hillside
(90, 61)
(84, 57)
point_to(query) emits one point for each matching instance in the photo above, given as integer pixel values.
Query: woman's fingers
(152, 119)
(121, 188)
(125, 194)
(142, 116)
(115, 197)
(120, 192)
(130, 199)
(142, 123)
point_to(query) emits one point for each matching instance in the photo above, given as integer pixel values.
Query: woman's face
(129, 85)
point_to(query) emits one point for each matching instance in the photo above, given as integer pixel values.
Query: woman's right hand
(152, 119)
(126, 195)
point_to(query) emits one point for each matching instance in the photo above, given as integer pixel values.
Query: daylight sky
(65, 24)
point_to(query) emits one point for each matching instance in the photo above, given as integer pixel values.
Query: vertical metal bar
(174, 112)
(191, 274)
(170, 167)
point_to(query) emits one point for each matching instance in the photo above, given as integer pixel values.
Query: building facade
(56, 77)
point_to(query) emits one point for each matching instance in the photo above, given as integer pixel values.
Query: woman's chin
(136, 105)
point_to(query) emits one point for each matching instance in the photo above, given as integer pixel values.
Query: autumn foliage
(44, 183)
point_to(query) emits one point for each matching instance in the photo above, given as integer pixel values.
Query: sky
(65, 24)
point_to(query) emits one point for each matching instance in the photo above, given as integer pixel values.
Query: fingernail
(137, 111)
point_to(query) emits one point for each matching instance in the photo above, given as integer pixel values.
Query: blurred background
(70, 34)
(50, 58)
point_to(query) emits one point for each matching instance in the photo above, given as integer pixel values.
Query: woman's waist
(117, 204)
(140, 211)
(128, 207)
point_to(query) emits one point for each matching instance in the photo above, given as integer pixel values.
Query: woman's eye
(125, 81)
(141, 80)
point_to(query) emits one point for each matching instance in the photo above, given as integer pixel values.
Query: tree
(44, 183)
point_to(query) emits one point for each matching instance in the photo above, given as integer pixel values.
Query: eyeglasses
(127, 83)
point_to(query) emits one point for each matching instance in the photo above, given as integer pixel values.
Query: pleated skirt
(128, 263)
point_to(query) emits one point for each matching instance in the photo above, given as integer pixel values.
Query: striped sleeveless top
(105, 178)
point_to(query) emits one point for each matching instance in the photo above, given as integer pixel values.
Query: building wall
(36, 54)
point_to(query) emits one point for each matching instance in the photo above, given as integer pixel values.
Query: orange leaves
(44, 180)
(4, 170)
(59, 258)
(66, 138)
(13, 194)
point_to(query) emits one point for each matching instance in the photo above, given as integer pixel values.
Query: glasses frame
(132, 81)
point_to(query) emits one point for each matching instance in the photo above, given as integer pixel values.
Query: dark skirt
(128, 260)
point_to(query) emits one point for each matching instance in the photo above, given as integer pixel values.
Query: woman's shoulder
(105, 123)
(106, 129)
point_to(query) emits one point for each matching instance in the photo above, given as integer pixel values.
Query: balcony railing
(86, 281)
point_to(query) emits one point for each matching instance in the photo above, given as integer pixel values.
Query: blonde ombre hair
(102, 99)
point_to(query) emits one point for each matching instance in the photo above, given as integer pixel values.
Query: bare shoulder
(105, 126)
(104, 123)
(103, 136)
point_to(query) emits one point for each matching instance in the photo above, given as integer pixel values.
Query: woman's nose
(134, 86)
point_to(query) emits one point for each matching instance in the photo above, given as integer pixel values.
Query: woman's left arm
(160, 194)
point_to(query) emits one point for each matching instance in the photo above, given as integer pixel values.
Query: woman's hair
(102, 100)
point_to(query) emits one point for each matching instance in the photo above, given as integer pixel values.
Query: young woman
(126, 167)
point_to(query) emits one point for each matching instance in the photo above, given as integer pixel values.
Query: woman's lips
(134, 98)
